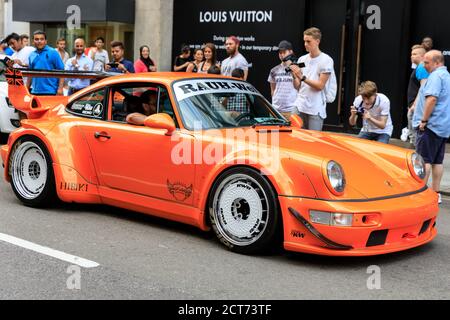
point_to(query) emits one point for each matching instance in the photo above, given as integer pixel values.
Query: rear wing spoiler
(35, 106)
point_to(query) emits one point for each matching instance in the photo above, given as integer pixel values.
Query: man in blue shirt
(80, 62)
(119, 64)
(45, 58)
(432, 117)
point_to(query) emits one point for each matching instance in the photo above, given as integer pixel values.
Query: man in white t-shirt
(235, 60)
(21, 53)
(375, 110)
(311, 80)
(282, 83)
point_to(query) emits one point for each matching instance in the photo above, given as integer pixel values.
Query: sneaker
(439, 198)
(405, 134)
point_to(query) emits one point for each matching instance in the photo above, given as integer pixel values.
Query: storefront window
(110, 31)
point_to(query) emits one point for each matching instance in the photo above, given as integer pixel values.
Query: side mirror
(161, 121)
(296, 121)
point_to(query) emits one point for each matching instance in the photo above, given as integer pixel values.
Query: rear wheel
(244, 212)
(31, 171)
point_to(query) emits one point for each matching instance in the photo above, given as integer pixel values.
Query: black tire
(244, 212)
(31, 172)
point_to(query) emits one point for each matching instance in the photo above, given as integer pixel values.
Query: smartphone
(7, 60)
(113, 64)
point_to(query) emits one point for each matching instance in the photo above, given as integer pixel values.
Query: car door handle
(103, 135)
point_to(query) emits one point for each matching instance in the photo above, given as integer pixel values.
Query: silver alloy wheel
(29, 170)
(241, 209)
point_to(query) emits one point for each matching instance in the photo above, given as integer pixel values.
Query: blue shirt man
(438, 86)
(45, 59)
(432, 117)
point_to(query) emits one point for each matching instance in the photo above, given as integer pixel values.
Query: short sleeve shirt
(419, 74)
(128, 65)
(285, 94)
(180, 61)
(309, 100)
(46, 59)
(438, 85)
(381, 108)
(23, 55)
(232, 63)
(100, 60)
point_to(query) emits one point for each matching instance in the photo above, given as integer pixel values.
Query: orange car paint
(133, 170)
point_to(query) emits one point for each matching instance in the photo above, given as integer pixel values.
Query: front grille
(425, 227)
(377, 238)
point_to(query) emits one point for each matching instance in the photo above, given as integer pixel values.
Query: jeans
(380, 137)
(311, 122)
(412, 132)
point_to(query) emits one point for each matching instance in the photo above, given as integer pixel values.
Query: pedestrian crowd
(302, 86)
(41, 56)
(305, 85)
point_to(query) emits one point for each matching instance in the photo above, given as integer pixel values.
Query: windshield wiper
(272, 121)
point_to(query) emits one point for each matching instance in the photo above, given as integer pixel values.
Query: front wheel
(244, 212)
(31, 171)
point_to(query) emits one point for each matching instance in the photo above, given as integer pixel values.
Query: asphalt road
(142, 257)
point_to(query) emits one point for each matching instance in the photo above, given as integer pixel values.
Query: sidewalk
(445, 183)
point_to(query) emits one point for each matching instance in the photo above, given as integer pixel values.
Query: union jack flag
(14, 77)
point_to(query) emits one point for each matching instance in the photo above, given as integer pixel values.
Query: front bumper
(380, 227)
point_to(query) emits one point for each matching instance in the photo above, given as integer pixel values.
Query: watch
(424, 121)
(304, 78)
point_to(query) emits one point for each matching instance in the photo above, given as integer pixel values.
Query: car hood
(372, 170)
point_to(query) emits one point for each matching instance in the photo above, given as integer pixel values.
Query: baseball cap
(285, 45)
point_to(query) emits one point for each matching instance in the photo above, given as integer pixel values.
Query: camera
(113, 64)
(361, 109)
(293, 61)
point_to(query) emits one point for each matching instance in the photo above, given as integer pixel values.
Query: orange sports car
(212, 152)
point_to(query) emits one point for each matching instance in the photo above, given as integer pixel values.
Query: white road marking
(48, 251)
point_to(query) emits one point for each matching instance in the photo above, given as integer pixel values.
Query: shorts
(430, 146)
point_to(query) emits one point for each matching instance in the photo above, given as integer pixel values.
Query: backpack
(330, 89)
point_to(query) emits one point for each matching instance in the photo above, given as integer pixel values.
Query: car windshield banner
(189, 88)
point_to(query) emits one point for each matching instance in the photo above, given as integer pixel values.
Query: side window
(145, 99)
(91, 105)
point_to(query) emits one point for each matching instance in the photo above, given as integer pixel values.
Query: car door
(139, 159)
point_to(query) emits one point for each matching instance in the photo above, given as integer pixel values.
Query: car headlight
(336, 178)
(417, 166)
(331, 219)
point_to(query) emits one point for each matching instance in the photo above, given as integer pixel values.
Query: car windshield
(223, 103)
